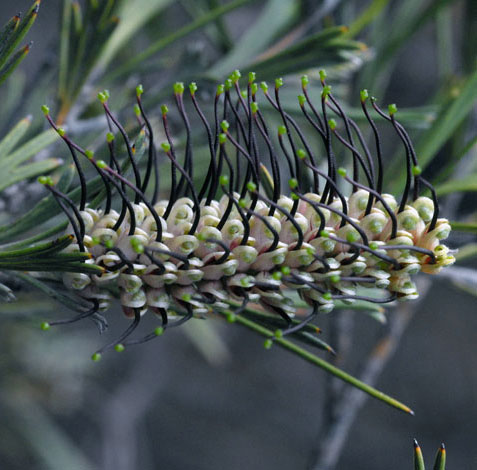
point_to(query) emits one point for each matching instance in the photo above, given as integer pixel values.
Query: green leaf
(317, 361)
(418, 458)
(163, 42)
(41, 213)
(467, 184)
(32, 147)
(46, 248)
(449, 118)
(366, 17)
(73, 303)
(320, 49)
(464, 227)
(275, 16)
(14, 62)
(13, 137)
(35, 238)
(19, 33)
(440, 462)
(28, 171)
(134, 14)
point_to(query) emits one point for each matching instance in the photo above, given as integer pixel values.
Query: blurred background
(206, 397)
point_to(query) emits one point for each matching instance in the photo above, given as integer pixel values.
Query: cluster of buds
(230, 240)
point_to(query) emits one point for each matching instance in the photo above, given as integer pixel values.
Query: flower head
(243, 235)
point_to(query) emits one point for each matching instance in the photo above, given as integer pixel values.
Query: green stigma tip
(327, 296)
(96, 357)
(109, 137)
(392, 108)
(335, 278)
(278, 334)
(101, 164)
(193, 88)
(267, 344)
(342, 171)
(242, 203)
(45, 326)
(254, 88)
(137, 110)
(224, 125)
(282, 130)
(293, 183)
(89, 154)
(119, 347)
(61, 132)
(220, 89)
(277, 276)
(332, 124)
(322, 75)
(166, 146)
(231, 317)
(102, 97)
(416, 170)
(254, 107)
(326, 91)
(251, 77)
(304, 81)
(45, 109)
(158, 331)
(264, 86)
(301, 100)
(178, 88)
(251, 186)
(222, 138)
(285, 270)
(45, 180)
(364, 95)
(235, 75)
(164, 109)
(228, 84)
(223, 180)
(301, 154)
(278, 82)
(139, 90)
(324, 234)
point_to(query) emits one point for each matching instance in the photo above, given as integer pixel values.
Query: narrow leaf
(163, 42)
(464, 227)
(32, 147)
(41, 213)
(440, 462)
(41, 249)
(73, 303)
(467, 184)
(12, 138)
(275, 15)
(317, 361)
(418, 458)
(14, 62)
(20, 32)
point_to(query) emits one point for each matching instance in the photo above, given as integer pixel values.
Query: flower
(230, 239)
